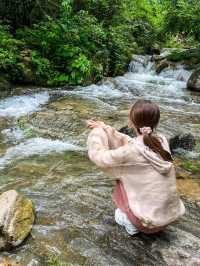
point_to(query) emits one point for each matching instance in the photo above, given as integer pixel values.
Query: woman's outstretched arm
(101, 154)
(115, 138)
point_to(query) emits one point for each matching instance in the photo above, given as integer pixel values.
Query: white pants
(122, 219)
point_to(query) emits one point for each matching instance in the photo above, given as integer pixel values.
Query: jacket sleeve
(115, 138)
(99, 150)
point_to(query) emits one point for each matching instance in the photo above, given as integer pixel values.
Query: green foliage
(78, 42)
(9, 48)
(121, 45)
(183, 16)
(62, 48)
(27, 12)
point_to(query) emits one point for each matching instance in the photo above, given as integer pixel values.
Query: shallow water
(43, 155)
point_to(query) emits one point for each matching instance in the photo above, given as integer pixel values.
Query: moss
(53, 260)
(193, 167)
(24, 219)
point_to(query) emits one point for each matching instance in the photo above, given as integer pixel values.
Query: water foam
(17, 106)
(13, 134)
(36, 146)
(104, 91)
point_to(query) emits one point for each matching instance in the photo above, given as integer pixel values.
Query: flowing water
(43, 155)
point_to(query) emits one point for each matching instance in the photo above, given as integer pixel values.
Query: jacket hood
(155, 160)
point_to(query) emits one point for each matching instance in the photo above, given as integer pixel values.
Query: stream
(43, 155)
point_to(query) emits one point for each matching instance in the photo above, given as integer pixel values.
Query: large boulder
(186, 56)
(173, 58)
(16, 219)
(194, 81)
(182, 141)
(162, 65)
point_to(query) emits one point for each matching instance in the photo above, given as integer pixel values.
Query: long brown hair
(144, 113)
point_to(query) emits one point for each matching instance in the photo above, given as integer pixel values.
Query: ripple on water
(35, 146)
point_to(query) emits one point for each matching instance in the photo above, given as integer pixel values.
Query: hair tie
(145, 130)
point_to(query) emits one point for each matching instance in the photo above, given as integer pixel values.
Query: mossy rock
(188, 56)
(16, 219)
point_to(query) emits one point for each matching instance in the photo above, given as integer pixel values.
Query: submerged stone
(16, 219)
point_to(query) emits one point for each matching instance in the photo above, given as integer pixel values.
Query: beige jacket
(149, 181)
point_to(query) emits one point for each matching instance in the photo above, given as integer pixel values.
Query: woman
(145, 192)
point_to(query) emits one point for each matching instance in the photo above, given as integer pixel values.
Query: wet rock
(162, 65)
(173, 58)
(194, 81)
(128, 131)
(4, 261)
(182, 141)
(16, 219)
(188, 56)
(165, 52)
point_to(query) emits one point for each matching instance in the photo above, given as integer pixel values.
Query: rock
(165, 52)
(188, 56)
(162, 65)
(182, 141)
(194, 81)
(16, 219)
(128, 131)
(4, 261)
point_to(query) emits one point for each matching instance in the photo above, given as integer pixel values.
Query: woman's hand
(93, 123)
